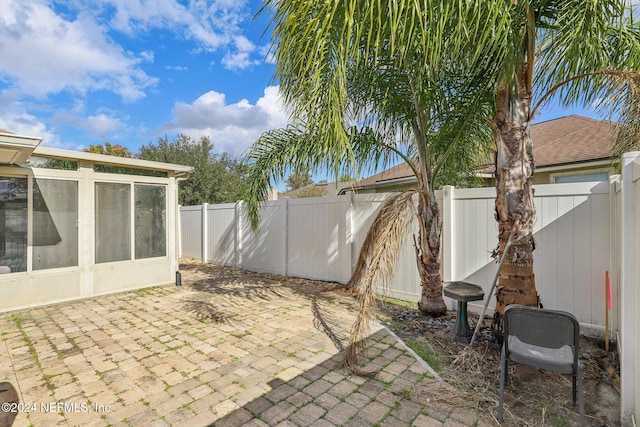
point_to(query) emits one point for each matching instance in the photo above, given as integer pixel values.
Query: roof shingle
(565, 140)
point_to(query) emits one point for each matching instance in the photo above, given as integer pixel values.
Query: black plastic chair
(546, 339)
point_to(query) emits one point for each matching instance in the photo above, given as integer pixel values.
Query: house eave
(576, 165)
(15, 149)
(58, 153)
(379, 184)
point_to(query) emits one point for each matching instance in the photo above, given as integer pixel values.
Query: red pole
(607, 287)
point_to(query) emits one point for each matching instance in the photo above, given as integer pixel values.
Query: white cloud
(101, 125)
(238, 61)
(241, 57)
(176, 68)
(59, 53)
(42, 53)
(46, 51)
(26, 124)
(232, 127)
(243, 44)
(210, 23)
(147, 56)
(104, 124)
(266, 52)
(14, 117)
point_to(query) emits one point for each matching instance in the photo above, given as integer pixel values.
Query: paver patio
(226, 349)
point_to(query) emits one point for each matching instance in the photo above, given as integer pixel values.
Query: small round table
(462, 292)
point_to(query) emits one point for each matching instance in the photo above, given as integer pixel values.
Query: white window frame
(553, 176)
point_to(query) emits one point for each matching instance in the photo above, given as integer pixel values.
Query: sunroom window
(150, 220)
(55, 223)
(13, 224)
(113, 222)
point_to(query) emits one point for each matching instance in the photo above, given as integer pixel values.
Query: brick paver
(227, 348)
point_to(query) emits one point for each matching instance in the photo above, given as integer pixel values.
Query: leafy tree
(216, 177)
(308, 191)
(228, 174)
(108, 149)
(298, 179)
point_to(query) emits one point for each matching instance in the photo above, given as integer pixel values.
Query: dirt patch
(534, 397)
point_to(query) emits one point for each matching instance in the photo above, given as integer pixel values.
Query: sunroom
(76, 224)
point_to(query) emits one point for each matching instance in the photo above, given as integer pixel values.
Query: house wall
(628, 203)
(545, 176)
(388, 188)
(36, 287)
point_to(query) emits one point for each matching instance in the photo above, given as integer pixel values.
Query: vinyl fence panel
(318, 238)
(266, 249)
(629, 244)
(573, 253)
(321, 238)
(572, 234)
(222, 234)
(191, 231)
(405, 283)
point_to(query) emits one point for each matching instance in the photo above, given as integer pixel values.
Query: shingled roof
(572, 139)
(562, 141)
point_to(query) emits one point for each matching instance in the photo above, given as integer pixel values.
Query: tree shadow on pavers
(226, 281)
(206, 311)
(399, 392)
(231, 288)
(325, 321)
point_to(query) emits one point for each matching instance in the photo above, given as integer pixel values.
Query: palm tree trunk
(514, 196)
(427, 247)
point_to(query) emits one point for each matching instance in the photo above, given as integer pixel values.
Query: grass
(434, 358)
(558, 421)
(398, 302)
(144, 291)
(17, 319)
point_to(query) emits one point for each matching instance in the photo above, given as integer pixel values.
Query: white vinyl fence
(320, 238)
(582, 231)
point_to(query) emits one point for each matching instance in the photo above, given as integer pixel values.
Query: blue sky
(81, 72)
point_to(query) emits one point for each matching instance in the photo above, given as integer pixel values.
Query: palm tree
(440, 134)
(581, 51)
(383, 105)
(584, 50)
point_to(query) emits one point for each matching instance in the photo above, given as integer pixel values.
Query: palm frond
(270, 158)
(378, 256)
(586, 38)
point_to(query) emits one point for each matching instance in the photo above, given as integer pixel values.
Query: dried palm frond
(376, 263)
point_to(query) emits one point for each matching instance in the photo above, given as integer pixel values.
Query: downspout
(177, 250)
